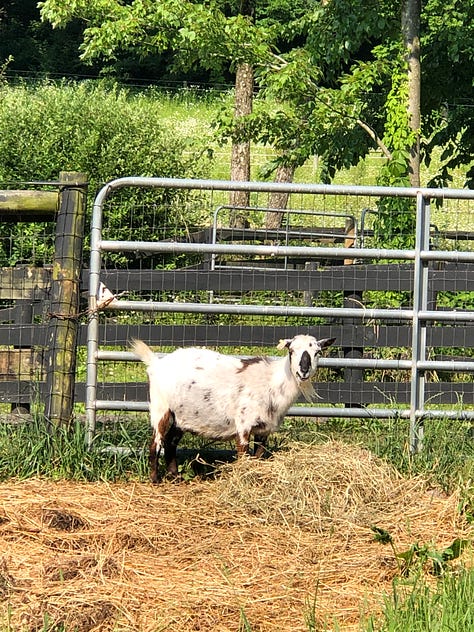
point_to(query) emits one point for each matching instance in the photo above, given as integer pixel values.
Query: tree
(194, 34)
(411, 12)
(352, 85)
(447, 85)
(240, 160)
(212, 36)
(33, 46)
(337, 71)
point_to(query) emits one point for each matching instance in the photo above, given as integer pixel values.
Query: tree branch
(365, 126)
(380, 144)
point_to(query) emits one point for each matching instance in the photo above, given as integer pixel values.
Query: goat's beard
(307, 389)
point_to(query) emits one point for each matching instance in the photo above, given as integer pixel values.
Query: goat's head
(303, 352)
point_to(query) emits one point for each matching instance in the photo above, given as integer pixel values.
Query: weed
(418, 557)
(448, 607)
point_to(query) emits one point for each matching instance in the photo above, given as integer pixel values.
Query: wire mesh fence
(175, 264)
(182, 267)
(41, 235)
(27, 238)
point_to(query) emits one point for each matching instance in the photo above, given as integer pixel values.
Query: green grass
(445, 607)
(31, 449)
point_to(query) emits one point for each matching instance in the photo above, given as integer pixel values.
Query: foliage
(327, 105)
(448, 53)
(98, 128)
(329, 64)
(415, 559)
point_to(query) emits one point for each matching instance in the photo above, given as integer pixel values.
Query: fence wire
(388, 272)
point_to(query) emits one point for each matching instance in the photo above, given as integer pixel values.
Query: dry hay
(189, 557)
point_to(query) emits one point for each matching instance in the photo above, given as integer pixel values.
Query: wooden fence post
(64, 307)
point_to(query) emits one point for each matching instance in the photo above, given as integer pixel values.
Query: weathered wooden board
(28, 206)
(25, 283)
(21, 364)
(268, 336)
(394, 277)
(365, 393)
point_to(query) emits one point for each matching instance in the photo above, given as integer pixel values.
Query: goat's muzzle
(304, 369)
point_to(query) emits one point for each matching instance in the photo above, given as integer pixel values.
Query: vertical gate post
(64, 307)
(420, 303)
(353, 377)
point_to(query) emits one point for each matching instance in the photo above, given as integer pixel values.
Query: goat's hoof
(173, 477)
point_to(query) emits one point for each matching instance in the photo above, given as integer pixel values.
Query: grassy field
(193, 114)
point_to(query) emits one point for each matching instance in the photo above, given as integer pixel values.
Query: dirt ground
(266, 546)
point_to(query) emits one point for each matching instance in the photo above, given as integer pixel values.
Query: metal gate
(417, 316)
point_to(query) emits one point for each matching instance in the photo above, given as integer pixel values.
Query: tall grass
(446, 607)
(34, 449)
(31, 449)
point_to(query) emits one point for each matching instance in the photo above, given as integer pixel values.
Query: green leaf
(381, 535)
(454, 550)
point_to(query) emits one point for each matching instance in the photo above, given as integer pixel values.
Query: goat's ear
(326, 342)
(285, 343)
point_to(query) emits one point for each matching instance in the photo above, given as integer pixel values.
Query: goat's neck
(292, 386)
(284, 382)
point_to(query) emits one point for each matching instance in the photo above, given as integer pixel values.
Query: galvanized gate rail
(418, 316)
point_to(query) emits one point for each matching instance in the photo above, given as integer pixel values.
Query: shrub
(100, 129)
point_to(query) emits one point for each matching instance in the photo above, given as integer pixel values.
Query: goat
(222, 397)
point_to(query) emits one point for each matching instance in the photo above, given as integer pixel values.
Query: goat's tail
(142, 351)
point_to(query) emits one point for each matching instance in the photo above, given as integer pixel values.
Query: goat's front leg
(242, 440)
(260, 445)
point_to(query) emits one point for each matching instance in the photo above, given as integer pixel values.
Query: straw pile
(257, 543)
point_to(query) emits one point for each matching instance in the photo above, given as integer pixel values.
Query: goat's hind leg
(170, 444)
(153, 458)
(160, 430)
(259, 445)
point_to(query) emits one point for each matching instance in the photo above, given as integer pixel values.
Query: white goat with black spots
(222, 397)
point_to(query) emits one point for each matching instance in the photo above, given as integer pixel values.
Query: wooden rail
(353, 280)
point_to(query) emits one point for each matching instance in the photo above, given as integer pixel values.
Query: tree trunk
(284, 173)
(411, 34)
(240, 160)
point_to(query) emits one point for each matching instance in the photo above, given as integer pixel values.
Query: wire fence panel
(386, 271)
(41, 235)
